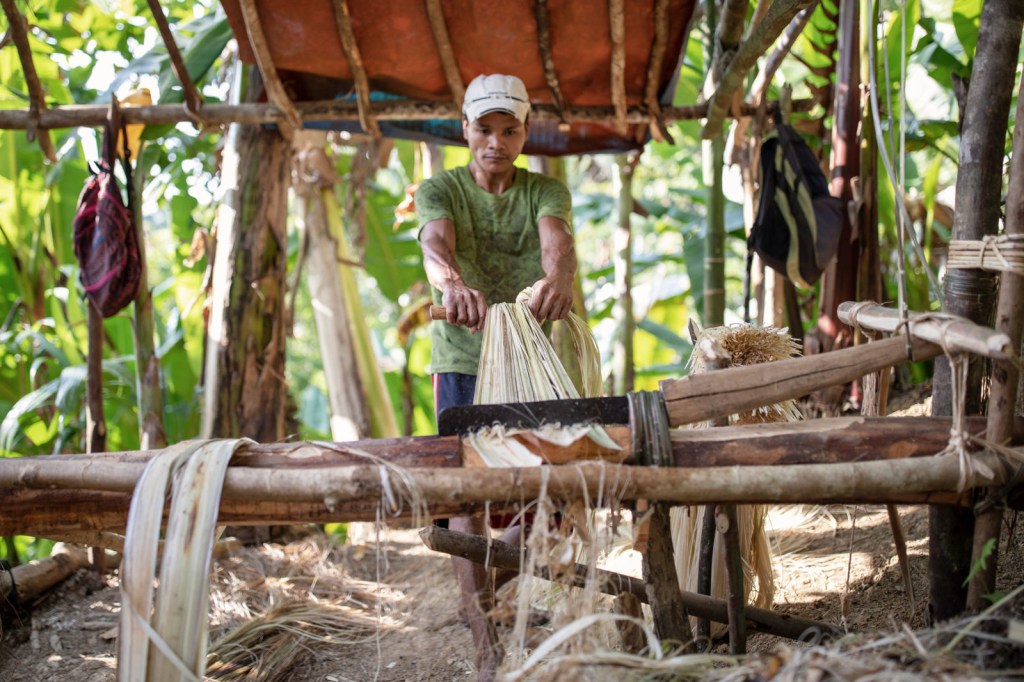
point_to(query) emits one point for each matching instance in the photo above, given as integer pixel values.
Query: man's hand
(465, 306)
(552, 298)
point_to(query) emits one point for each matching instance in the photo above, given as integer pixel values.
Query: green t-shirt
(497, 246)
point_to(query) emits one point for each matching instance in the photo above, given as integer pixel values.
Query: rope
(992, 253)
(649, 429)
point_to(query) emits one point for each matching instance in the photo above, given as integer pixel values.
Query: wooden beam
(540, 11)
(93, 115)
(18, 31)
(193, 100)
(291, 119)
(729, 391)
(760, 39)
(654, 67)
(955, 333)
(343, 22)
(617, 33)
(439, 28)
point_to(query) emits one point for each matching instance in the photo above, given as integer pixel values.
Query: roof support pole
(37, 100)
(439, 28)
(343, 21)
(657, 125)
(617, 27)
(540, 10)
(275, 88)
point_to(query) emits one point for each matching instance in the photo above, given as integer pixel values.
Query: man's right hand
(465, 306)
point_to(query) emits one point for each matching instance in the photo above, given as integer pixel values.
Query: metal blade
(465, 418)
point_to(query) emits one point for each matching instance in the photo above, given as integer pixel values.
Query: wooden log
(706, 396)
(92, 116)
(957, 334)
(502, 555)
(32, 580)
(728, 525)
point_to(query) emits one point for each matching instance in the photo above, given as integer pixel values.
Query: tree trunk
(1005, 377)
(245, 389)
(622, 241)
(970, 293)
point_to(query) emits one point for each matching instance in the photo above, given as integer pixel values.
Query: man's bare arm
(465, 306)
(552, 296)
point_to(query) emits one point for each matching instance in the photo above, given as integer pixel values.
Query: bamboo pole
(18, 30)
(760, 39)
(92, 115)
(956, 334)
(622, 244)
(1005, 376)
(704, 397)
(764, 77)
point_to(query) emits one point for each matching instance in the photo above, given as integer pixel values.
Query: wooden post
(970, 293)
(671, 620)
(728, 525)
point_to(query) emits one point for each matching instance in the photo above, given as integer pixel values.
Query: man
(489, 230)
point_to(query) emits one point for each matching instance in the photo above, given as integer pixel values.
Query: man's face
(495, 140)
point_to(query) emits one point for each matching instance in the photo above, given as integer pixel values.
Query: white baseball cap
(496, 92)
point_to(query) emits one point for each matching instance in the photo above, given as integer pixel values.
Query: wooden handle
(438, 312)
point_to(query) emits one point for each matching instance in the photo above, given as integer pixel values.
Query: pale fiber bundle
(519, 364)
(746, 345)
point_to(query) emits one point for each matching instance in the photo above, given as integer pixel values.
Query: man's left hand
(552, 298)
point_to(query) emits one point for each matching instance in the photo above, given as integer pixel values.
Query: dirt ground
(394, 608)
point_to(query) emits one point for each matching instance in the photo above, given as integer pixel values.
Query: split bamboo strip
(1003, 253)
(92, 115)
(955, 333)
(439, 27)
(343, 22)
(732, 390)
(18, 29)
(760, 39)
